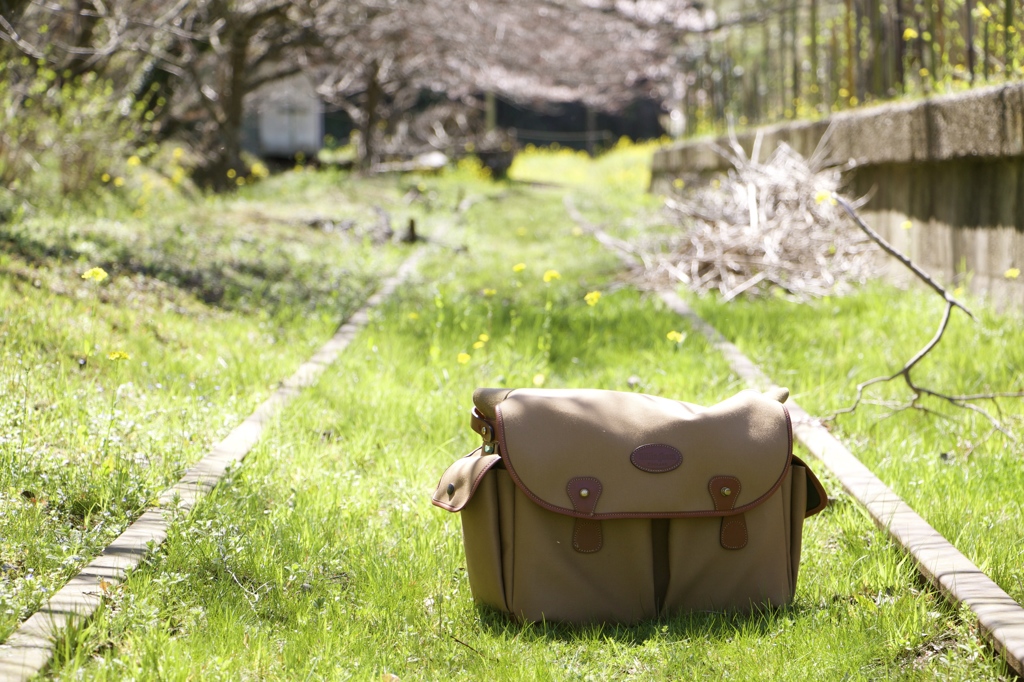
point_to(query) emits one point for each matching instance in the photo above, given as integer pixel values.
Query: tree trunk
(969, 37)
(370, 117)
(225, 161)
(85, 21)
(1009, 58)
(812, 31)
(851, 52)
(794, 24)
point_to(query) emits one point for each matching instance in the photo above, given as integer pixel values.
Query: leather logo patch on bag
(656, 458)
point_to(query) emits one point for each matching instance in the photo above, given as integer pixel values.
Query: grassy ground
(322, 557)
(948, 464)
(113, 386)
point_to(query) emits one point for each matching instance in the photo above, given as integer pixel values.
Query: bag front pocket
(553, 581)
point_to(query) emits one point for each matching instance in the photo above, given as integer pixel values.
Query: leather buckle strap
(484, 428)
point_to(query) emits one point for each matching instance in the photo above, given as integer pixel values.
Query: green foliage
(809, 59)
(59, 135)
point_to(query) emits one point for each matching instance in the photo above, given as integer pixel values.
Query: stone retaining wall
(953, 166)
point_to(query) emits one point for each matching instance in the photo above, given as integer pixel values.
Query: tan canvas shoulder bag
(585, 505)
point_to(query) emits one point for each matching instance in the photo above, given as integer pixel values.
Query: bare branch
(967, 402)
(892, 251)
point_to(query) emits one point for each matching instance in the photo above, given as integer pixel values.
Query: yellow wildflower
(592, 298)
(906, 224)
(105, 177)
(118, 355)
(477, 345)
(414, 316)
(550, 275)
(538, 379)
(232, 173)
(675, 337)
(134, 160)
(118, 182)
(484, 338)
(95, 274)
(1012, 273)
(490, 292)
(518, 267)
(521, 232)
(824, 195)
(958, 292)
(679, 183)
(577, 231)
(178, 153)
(909, 34)
(463, 358)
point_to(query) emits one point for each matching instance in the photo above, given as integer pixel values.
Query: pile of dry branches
(766, 224)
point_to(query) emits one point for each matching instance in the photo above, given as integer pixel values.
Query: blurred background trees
(86, 83)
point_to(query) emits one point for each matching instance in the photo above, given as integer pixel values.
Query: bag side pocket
(480, 536)
(796, 517)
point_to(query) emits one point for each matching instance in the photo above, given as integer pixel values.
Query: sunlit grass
(130, 345)
(948, 463)
(624, 169)
(323, 558)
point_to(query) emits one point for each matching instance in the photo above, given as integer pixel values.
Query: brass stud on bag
(584, 492)
(726, 491)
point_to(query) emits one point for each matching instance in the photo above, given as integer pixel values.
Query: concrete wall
(951, 165)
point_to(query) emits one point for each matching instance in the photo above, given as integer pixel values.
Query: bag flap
(459, 482)
(633, 455)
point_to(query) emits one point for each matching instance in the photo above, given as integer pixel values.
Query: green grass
(948, 463)
(322, 558)
(212, 304)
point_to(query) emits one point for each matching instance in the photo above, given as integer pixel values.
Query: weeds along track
(29, 649)
(323, 558)
(1000, 617)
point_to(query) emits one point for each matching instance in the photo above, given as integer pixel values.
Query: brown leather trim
(789, 429)
(586, 536)
(481, 426)
(724, 500)
(734, 532)
(634, 515)
(584, 503)
(472, 490)
(725, 490)
(656, 458)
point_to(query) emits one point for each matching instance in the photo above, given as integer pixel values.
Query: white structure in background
(285, 118)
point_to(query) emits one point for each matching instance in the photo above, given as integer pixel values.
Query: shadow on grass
(686, 626)
(270, 280)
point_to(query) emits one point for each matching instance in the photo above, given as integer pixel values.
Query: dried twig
(966, 402)
(778, 224)
(763, 226)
